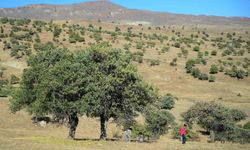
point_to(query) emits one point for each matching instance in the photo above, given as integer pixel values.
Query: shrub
(213, 69)
(214, 53)
(247, 125)
(5, 91)
(203, 76)
(43, 46)
(154, 62)
(75, 37)
(14, 79)
(57, 31)
(177, 45)
(215, 117)
(167, 101)
(157, 121)
(173, 62)
(196, 48)
(138, 56)
(211, 78)
(189, 65)
(164, 49)
(139, 45)
(196, 72)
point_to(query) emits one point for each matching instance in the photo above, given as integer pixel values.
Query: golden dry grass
(17, 131)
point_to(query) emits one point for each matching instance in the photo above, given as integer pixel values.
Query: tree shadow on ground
(113, 140)
(95, 139)
(203, 132)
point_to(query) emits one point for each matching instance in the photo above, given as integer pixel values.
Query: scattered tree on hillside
(99, 82)
(215, 117)
(114, 88)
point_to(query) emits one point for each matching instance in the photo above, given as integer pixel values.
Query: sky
(196, 7)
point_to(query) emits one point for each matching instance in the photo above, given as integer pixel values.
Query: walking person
(183, 134)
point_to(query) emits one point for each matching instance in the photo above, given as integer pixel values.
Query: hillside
(160, 53)
(110, 12)
(18, 133)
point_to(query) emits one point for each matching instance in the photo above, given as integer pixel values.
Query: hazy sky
(197, 7)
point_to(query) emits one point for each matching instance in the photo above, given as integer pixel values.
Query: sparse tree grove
(77, 70)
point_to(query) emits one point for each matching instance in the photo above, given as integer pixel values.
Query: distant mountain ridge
(108, 11)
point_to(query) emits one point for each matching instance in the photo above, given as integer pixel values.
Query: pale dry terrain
(18, 132)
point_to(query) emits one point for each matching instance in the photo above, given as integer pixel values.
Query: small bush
(214, 53)
(211, 78)
(196, 48)
(14, 79)
(213, 69)
(157, 121)
(154, 62)
(167, 101)
(247, 125)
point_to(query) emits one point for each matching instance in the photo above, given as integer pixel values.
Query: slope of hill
(107, 11)
(161, 55)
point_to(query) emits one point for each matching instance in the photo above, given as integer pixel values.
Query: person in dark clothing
(73, 122)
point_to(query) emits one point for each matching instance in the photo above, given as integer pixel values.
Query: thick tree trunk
(104, 124)
(73, 122)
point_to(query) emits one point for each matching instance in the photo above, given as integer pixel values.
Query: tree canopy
(99, 82)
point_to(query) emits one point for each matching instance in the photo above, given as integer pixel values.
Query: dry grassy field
(18, 133)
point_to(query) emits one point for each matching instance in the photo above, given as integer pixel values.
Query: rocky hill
(110, 12)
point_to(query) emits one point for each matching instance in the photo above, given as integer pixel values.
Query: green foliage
(140, 129)
(189, 65)
(213, 69)
(173, 62)
(196, 48)
(5, 90)
(214, 53)
(117, 29)
(18, 51)
(44, 46)
(157, 121)
(139, 45)
(154, 62)
(126, 46)
(211, 78)
(195, 72)
(97, 37)
(114, 88)
(4, 20)
(14, 79)
(137, 56)
(200, 54)
(177, 45)
(57, 31)
(234, 134)
(75, 37)
(236, 73)
(165, 49)
(203, 76)
(167, 101)
(215, 117)
(247, 125)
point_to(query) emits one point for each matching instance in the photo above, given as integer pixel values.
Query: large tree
(53, 84)
(114, 89)
(100, 82)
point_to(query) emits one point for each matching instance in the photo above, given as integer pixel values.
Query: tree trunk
(73, 122)
(104, 124)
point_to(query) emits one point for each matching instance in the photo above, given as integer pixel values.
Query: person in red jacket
(183, 134)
